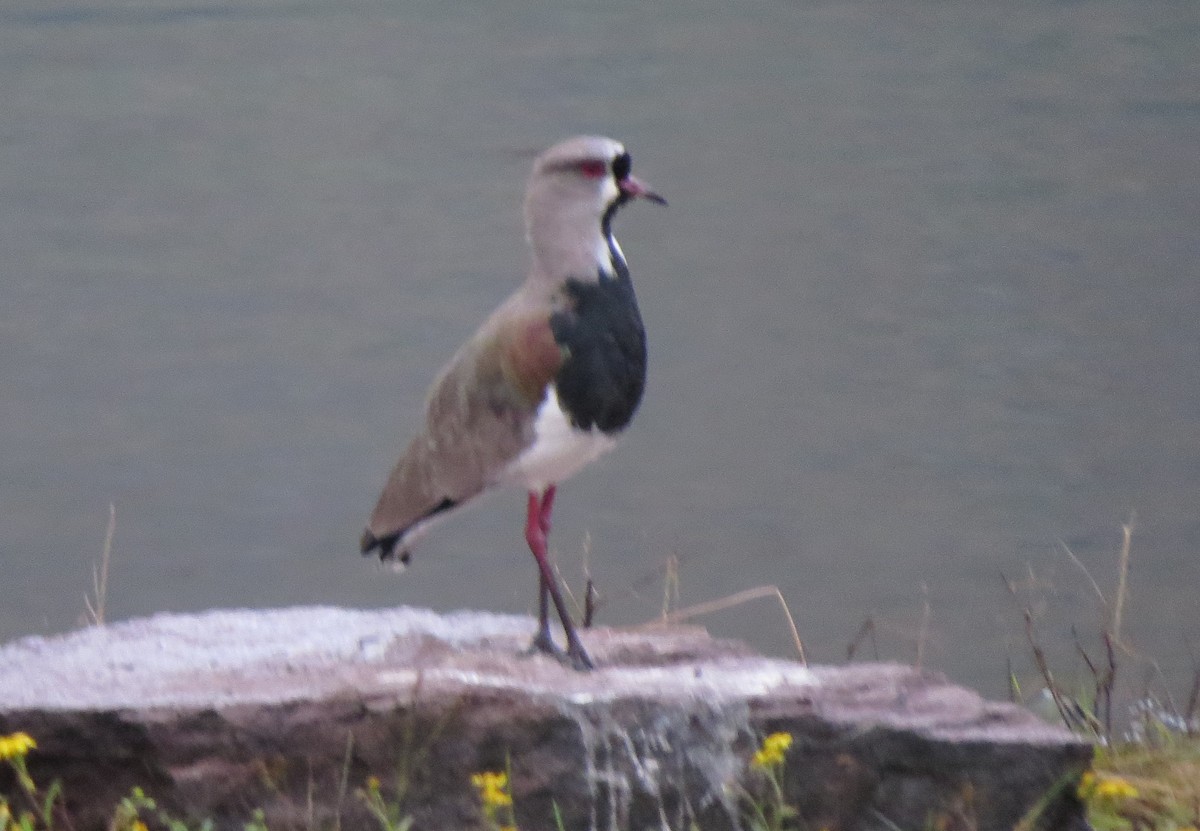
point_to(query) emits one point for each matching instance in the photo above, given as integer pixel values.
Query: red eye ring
(593, 168)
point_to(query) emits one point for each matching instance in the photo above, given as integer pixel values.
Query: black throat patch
(600, 383)
(606, 228)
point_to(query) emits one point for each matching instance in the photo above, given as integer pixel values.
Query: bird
(545, 385)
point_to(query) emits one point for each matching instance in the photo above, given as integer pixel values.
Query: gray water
(922, 313)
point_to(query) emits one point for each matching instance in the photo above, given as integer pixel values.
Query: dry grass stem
(737, 599)
(343, 781)
(95, 603)
(1039, 658)
(1102, 695)
(1086, 573)
(1122, 579)
(923, 633)
(670, 586)
(1191, 713)
(591, 597)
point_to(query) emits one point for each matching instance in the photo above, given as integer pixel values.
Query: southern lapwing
(546, 384)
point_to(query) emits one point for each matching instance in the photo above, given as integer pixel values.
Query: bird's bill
(635, 188)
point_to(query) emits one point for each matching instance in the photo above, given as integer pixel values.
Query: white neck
(566, 236)
(561, 256)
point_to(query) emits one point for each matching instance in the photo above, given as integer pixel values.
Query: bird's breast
(603, 374)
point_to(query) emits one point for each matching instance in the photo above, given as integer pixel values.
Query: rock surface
(220, 713)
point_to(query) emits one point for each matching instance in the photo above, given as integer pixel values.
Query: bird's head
(574, 191)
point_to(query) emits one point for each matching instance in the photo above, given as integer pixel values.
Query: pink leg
(537, 529)
(543, 639)
(547, 507)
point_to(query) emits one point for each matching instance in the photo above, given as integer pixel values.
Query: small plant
(39, 810)
(412, 757)
(766, 807)
(388, 814)
(129, 812)
(496, 798)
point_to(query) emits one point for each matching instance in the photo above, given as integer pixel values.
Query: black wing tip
(386, 545)
(368, 543)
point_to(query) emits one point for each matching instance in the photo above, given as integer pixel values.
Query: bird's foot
(543, 643)
(578, 656)
(574, 656)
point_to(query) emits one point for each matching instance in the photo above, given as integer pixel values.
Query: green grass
(1146, 772)
(1138, 786)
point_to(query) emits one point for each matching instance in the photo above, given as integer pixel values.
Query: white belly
(559, 450)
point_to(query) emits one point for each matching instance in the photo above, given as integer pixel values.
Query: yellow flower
(1115, 788)
(1104, 787)
(493, 788)
(773, 749)
(373, 783)
(138, 825)
(16, 745)
(779, 742)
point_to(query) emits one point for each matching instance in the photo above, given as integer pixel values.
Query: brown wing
(479, 417)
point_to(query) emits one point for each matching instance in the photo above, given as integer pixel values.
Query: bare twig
(1109, 683)
(865, 632)
(590, 598)
(1039, 658)
(590, 594)
(1101, 715)
(1031, 583)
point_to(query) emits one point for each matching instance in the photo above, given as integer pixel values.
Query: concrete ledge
(219, 713)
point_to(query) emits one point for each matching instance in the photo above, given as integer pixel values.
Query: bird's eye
(593, 168)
